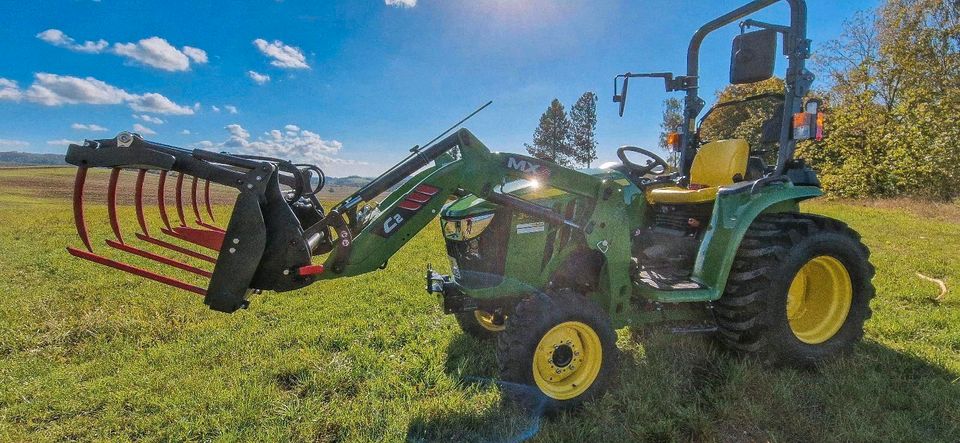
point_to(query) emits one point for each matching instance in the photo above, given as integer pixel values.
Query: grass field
(88, 353)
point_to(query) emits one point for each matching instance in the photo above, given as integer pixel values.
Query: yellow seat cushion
(677, 195)
(716, 164)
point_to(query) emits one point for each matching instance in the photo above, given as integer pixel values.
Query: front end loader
(546, 260)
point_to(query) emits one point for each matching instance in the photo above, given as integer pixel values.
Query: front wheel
(557, 351)
(481, 324)
(799, 292)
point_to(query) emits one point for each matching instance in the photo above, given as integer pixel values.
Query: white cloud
(185, 132)
(158, 104)
(160, 54)
(156, 52)
(149, 119)
(283, 56)
(90, 127)
(297, 145)
(55, 90)
(153, 51)
(137, 127)
(5, 143)
(62, 142)
(56, 37)
(9, 90)
(231, 109)
(214, 108)
(401, 3)
(198, 55)
(258, 78)
(237, 132)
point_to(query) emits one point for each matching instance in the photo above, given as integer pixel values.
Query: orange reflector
(821, 117)
(801, 126)
(673, 141)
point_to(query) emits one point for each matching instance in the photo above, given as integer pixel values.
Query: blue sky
(349, 84)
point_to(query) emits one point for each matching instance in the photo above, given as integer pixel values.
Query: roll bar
(798, 78)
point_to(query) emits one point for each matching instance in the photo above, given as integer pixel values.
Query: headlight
(465, 228)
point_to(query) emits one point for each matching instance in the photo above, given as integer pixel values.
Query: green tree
(551, 138)
(583, 120)
(672, 121)
(894, 93)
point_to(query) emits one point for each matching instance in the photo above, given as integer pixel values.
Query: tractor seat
(719, 163)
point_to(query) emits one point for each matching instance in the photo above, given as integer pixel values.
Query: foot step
(660, 281)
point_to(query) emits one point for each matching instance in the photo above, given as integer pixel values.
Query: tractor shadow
(688, 388)
(472, 364)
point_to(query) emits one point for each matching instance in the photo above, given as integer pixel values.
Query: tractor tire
(558, 351)
(799, 291)
(480, 324)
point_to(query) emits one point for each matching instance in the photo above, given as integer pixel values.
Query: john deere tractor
(546, 260)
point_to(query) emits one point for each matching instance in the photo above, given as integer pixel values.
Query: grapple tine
(206, 199)
(193, 200)
(112, 203)
(161, 201)
(201, 237)
(138, 201)
(115, 225)
(179, 199)
(196, 208)
(135, 270)
(173, 247)
(78, 219)
(159, 258)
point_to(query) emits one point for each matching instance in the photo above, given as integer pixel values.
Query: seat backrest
(720, 163)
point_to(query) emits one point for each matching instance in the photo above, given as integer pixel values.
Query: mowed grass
(89, 353)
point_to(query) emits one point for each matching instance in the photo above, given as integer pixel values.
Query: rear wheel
(557, 351)
(799, 291)
(481, 324)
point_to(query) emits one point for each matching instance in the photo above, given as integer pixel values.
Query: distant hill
(351, 181)
(13, 158)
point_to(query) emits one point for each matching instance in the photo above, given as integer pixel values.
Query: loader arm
(274, 233)
(473, 169)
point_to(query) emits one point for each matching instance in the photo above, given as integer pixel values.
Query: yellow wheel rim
(488, 321)
(819, 299)
(567, 360)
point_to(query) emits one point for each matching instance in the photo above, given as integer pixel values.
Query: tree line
(891, 88)
(567, 141)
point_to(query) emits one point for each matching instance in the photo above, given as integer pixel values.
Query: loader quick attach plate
(262, 246)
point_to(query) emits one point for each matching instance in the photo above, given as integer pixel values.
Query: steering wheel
(638, 170)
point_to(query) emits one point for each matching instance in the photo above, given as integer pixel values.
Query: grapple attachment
(262, 246)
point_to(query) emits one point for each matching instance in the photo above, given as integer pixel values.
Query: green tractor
(546, 260)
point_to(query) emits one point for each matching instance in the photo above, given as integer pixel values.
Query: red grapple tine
(179, 199)
(173, 247)
(193, 201)
(196, 208)
(159, 258)
(78, 207)
(206, 199)
(212, 240)
(138, 201)
(161, 203)
(211, 227)
(112, 203)
(135, 270)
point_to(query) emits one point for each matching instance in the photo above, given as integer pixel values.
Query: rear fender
(734, 211)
